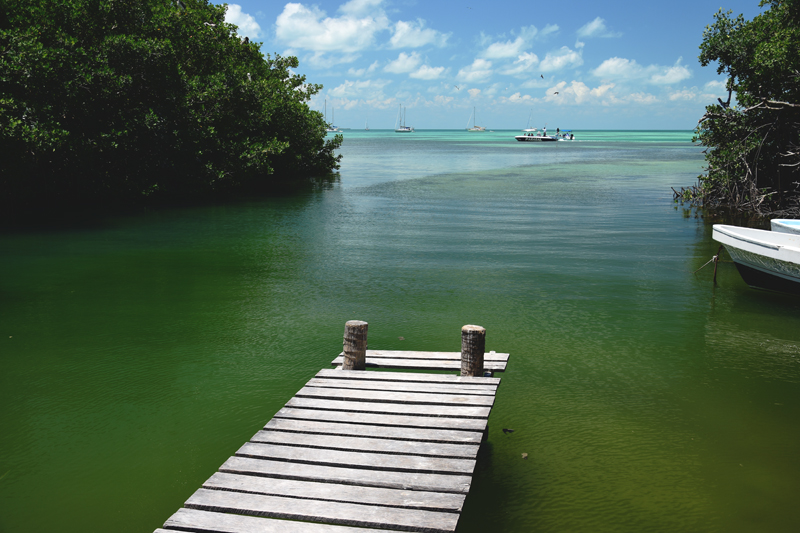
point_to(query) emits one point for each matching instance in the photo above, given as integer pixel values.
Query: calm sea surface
(139, 352)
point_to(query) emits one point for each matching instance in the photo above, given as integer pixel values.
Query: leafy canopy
(752, 145)
(120, 100)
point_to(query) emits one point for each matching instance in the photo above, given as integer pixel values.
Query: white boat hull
(535, 138)
(765, 259)
(785, 225)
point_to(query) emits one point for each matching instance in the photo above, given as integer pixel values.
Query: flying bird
(555, 92)
(542, 75)
(456, 86)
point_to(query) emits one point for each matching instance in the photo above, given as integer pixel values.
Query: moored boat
(475, 127)
(785, 225)
(765, 259)
(532, 136)
(400, 124)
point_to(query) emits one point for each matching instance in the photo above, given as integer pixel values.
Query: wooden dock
(352, 450)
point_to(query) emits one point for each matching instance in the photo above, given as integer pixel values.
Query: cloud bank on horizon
(626, 68)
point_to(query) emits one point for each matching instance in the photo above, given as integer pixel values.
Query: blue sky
(614, 65)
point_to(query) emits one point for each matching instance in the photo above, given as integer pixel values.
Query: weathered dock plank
(382, 445)
(351, 476)
(423, 364)
(411, 499)
(434, 388)
(194, 520)
(436, 433)
(453, 411)
(363, 460)
(394, 396)
(408, 377)
(351, 514)
(372, 419)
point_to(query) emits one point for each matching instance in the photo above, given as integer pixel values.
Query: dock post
(355, 345)
(473, 344)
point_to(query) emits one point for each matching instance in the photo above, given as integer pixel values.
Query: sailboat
(528, 127)
(474, 126)
(400, 127)
(330, 128)
(366, 125)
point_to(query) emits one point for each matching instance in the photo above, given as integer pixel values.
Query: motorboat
(475, 127)
(400, 125)
(785, 225)
(532, 136)
(765, 259)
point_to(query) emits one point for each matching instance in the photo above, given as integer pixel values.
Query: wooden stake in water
(355, 345)
(473, 345)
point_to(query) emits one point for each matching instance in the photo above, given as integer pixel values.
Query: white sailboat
(474, 127)
(330, 128)
(528, 127)
(400, 126)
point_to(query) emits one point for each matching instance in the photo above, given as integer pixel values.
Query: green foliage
(118, 100)
(752, 146)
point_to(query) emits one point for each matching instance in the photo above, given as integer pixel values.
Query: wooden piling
(473, 345)
(355, 345)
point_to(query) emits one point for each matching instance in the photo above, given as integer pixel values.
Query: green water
(137, 353)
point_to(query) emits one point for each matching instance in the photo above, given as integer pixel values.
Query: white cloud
(415, 34)
(474, 92)
(404, 63)
(716, 86)
(321, 60)
(360, 88)
(518, 98)
(443, 100)
(509, 48)
(428, 73)
(596, 28)
(561, 59)
(506, 49)
(671, 75)
(309, 28)
(359, 8)
(685, 94)
(579, 93)
(479, 71)
(247, 24)
(522, 65)
(362, 71)
(621, 69)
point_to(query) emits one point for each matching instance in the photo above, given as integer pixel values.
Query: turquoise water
(138, 352)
